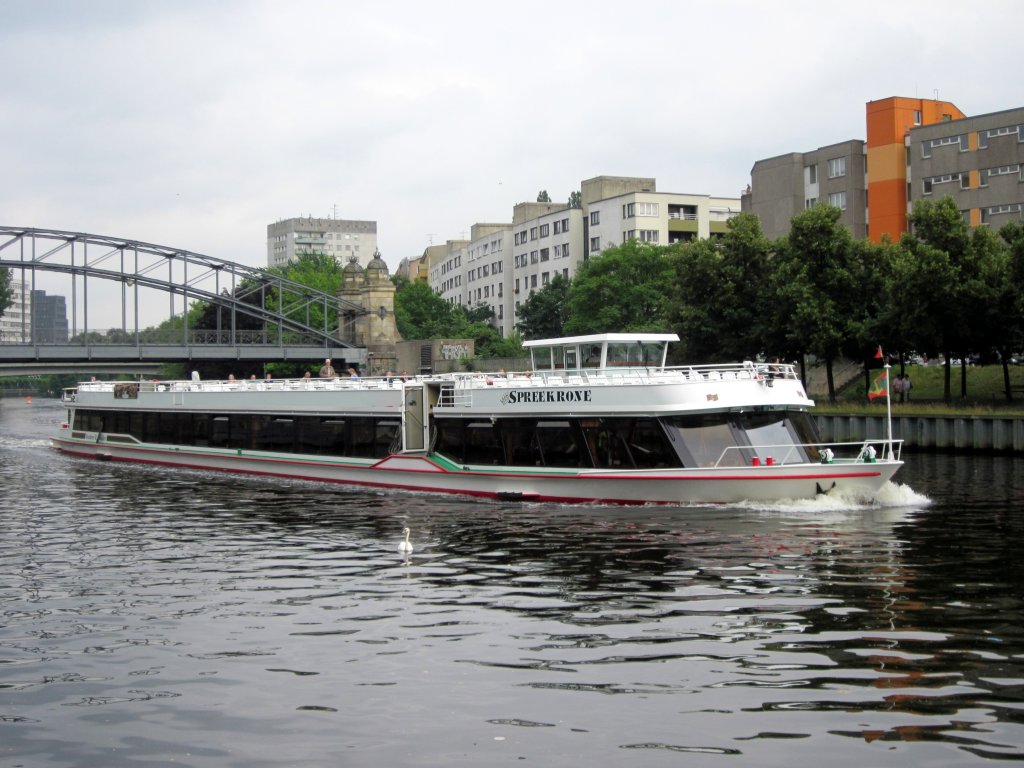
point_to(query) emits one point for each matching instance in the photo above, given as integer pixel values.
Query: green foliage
(6, 293)
(543, 196)
(422, 314)
(575, 199)
(626, 288)
(543, 314)
(319, 271)
(718, 303)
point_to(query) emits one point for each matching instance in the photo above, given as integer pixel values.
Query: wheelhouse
(616, 352)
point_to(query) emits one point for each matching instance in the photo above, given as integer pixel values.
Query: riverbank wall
(984, 434)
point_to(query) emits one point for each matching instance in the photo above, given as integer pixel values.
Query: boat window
(590, 356)
(387, 432)
(366, 437)
(481, 444)
(220, 431)
(541, 357)
(570, 358)
(324, 436)
(557, 445)
(775, 433)
(635, 353)
(652, 353)
(628, 443)
(702, 440)
(618, 355)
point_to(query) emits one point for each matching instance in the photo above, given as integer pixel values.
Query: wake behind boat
(598, 418)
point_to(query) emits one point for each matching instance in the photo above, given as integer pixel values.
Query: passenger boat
(598, 418)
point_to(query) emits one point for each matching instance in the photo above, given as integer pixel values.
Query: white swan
(405, 545)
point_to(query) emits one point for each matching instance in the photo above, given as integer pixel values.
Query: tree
(1011, 302)
(321, 272)
(575, 199)
(719, 299)
(626, 288)
(543, 196)
(543, 314)
(817, 286)
(420, 313)
(943, 284)
(6, 293)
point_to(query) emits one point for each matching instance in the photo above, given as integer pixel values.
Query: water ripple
(211, 620)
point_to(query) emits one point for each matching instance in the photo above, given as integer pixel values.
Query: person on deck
(327, 370)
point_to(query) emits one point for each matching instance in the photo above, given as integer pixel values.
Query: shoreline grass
(985, 394)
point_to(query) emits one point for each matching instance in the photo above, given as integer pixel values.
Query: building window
(838, 199)
(543, 230)
(917, 117)
(595, 244)
(595, 217)
(534, 257)
(545, 278)
(929, 183)
(648, 235)
(810, 202)
(558, 227)
(836, 167)
(646, 209)
(545, 254)
(812, 174)
(984, 136)
(947, 141)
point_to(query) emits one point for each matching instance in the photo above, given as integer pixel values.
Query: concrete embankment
(1002, 434)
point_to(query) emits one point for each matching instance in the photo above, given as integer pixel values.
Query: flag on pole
(878, 354)
(881, 386)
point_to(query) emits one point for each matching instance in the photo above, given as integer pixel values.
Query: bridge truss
(109, 275)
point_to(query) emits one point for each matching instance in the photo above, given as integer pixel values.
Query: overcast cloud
(195, 124)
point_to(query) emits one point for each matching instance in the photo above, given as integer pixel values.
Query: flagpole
(888, 406)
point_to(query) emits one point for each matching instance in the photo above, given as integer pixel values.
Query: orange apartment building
(915, 149)
(889, 124)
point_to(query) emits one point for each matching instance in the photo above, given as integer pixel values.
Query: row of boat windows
(354, 436)
(699, 440)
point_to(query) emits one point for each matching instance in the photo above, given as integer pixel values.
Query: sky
(195, 124)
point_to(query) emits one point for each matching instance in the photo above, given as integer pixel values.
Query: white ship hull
(436, 475)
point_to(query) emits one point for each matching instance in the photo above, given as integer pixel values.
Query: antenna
(430, 237)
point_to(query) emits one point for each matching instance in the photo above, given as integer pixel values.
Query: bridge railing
(165, 336)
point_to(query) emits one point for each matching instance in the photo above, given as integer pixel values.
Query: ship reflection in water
(219, 621)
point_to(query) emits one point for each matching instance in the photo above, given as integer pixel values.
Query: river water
(155, 617)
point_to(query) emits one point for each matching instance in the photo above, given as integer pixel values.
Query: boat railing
(856, 452)
(626, 374)
(560, 377)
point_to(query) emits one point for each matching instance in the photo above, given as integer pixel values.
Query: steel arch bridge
(102, 270)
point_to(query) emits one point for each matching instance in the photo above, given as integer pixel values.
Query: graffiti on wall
(454, 351)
